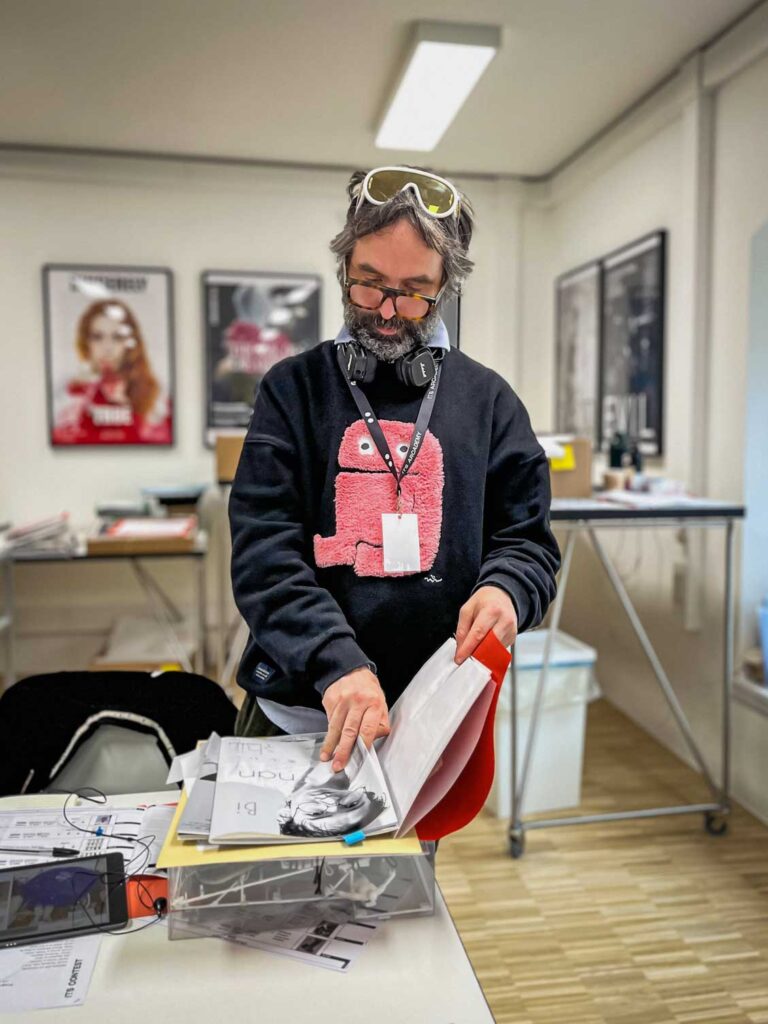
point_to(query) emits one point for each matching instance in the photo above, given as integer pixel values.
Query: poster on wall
(109, 355)
(252, 321)
(577, 348)
(632, 352)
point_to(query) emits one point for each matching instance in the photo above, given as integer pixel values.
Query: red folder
(468, 794)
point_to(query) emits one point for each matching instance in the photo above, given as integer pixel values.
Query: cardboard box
(228, 448)
(571, 473)
(145, 535)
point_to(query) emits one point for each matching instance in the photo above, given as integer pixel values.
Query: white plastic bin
(554, 778)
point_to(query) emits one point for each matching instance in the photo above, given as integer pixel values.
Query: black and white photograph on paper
(252, 321)
(632, 350)
(109, 355)
(277, 789)
(577, 352)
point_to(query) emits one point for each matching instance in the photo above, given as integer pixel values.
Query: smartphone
(62, 899)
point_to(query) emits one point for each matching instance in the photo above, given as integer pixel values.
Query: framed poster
(252, 321)
(632, 350)
(109, 355)
(577, 352)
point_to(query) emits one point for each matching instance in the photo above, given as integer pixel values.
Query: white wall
(621, 189)
(188, 217)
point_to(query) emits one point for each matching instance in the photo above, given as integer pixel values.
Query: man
(390, 491)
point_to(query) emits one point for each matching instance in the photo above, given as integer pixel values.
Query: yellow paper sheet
(178, 854)
(564, 462)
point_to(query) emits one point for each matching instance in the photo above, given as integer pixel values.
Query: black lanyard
(374, 427)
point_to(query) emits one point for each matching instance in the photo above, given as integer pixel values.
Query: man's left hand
(489, 608)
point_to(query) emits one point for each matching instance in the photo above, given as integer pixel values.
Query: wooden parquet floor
(639, 922)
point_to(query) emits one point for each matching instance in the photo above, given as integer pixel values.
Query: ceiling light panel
(445, 63)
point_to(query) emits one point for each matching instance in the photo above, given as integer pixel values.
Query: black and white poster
(109, 349)
(577, 296)
(252, 321)
(632, 351)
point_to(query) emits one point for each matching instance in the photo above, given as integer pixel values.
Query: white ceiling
(306, 80)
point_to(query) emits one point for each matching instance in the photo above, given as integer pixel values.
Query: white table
(415, 971)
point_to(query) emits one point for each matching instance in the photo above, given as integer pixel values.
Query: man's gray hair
(448, 236)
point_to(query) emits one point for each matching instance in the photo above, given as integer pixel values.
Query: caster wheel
(715, 823)
(516, 844)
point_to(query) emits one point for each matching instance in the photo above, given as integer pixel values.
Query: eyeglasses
(408, 305)
(436, 196)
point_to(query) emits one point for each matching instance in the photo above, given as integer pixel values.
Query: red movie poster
(110, 355)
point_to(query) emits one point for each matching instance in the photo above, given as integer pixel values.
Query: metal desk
(164, 610)
(587, 516)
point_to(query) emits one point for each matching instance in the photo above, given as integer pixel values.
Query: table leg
(163, 610)
(650, 653)
(517, 828)
(728, 660)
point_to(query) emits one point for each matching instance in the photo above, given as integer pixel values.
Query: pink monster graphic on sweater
(368, 489)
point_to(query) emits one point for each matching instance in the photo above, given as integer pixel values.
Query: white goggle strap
(365, 194)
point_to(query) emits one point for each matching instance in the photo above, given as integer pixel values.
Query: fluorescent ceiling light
(445, 63)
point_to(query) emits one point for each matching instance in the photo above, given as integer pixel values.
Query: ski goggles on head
(437, 197)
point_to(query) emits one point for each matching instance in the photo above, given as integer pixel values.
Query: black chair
(116, 731)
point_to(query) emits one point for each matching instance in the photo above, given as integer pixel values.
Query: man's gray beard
(413, 333)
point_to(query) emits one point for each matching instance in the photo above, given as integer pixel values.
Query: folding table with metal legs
(165, 612)
(586, 516)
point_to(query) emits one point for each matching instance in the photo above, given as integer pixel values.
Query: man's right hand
(355, 704)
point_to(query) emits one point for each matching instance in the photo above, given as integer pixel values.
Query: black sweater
(305, 513)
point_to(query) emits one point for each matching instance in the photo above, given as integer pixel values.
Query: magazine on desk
(431, 773)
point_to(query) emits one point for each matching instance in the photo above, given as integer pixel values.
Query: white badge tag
(401, 542)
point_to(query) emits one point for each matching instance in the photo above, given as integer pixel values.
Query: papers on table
(47, 975)
(308, 935)
(136, 832)
(651, 500)
(50, 974)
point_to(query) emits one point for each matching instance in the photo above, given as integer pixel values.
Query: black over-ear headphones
(415, 369)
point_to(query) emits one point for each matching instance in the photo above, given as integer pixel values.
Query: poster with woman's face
(110, 355)
(252, 321)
